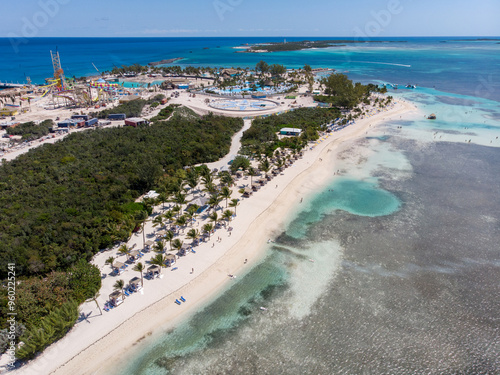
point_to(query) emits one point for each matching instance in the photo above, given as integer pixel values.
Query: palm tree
(124, 250)
(193, 179)
(214, 218)
(163, 198)
(139, 267)
(233, 204)
(279, 163)
(110, 261)
(210, 187)
(207, 180)
(251, 172)
(157, 221)
(177, 244)
(228, 214)
(119, 285)
(207, 228)
(180, 199)
(142, 216)
(204, 171)
(193, 209)
(158, 260)
(214, 201)
(265, 166)
(226, 178)
(169, 236)
(181, 221)
(193, 234)
(94, 298)
(176, 209)
(189, 217)
(226, 193)
(159, 247)
(169, 215)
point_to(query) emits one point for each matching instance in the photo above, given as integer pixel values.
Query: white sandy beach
(98, 344)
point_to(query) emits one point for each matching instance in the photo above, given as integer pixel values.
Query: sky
(321, 18)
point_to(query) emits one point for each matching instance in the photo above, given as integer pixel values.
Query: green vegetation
(166, 112)
(135, 68)
(262, 133)
(77, 203)
(132, 108)
(306, 44)
(62, 203)
(30, 131)
(42, 305)
(53, 327)
(71, 199)
(240, 162)
(37, 296)
(342, 92)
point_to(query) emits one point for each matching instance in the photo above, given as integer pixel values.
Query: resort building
(8, 111)
(291, 131)
(10, 124)
(136, 121)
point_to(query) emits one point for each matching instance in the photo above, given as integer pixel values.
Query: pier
(5, 85)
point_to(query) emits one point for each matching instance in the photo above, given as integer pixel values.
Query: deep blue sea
(405, 239)
(448, 64)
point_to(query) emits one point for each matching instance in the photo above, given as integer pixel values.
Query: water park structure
(67, 93)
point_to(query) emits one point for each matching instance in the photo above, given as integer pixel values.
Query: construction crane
(58, 71)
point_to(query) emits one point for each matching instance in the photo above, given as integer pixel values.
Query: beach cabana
(184, 250)
(153, 271)
(134, 255)
(118, 267)
(255, 186)
(169, 260)
(135, 284)
(247, 193)
(148, 244)
(261, 181)
(116, 298)
(199, 201)
(161, 233)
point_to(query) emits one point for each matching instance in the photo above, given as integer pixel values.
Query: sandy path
(235, 147)
(96, 347)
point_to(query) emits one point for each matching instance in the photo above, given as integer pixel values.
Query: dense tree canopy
(31, 131)
(342, 92)
(262, 67)
(66, 201)
(263, 130)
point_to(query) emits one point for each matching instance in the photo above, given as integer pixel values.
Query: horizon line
(259, 36)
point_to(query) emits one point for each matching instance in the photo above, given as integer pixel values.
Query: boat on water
(432, 116)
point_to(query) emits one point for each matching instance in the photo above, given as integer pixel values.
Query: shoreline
(109, 340)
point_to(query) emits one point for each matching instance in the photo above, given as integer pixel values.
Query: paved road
(235, 147)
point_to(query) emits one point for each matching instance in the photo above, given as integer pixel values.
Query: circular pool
(243, 105)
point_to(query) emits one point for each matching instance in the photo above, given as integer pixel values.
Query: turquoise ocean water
(404, 240)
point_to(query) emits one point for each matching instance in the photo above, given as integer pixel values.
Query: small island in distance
(306, 44)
